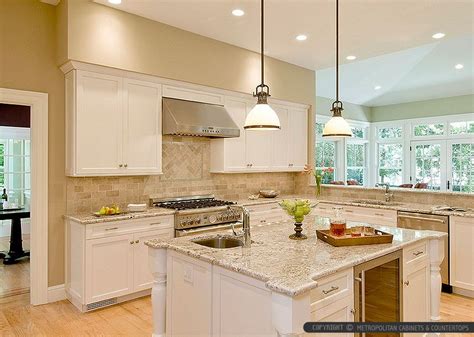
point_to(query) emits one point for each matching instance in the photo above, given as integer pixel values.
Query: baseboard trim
(56, 293)
(463, 292)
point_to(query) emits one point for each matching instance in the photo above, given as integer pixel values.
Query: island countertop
(287, 266)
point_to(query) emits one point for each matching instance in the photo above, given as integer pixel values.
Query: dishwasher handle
(413, 217)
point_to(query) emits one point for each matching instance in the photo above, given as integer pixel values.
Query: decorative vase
(319, 179)
(298, 235)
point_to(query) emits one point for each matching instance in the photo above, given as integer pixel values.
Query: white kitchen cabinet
(266, 213)
(416, 284)
(113, 125)
(339, 311)
(461, 245)
(284, 150)
(383, 217)
(108, 262)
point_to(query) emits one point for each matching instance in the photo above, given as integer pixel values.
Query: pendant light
(337, 126)
(262, 116)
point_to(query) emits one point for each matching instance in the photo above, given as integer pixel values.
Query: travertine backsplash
(185, 172)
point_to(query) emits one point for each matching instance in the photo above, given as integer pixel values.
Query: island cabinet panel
(284, 150)
(384, 217)
(416, 284)
(461, 245)
(108, 261)
(113, 125)
(189, 296)
(242, 306)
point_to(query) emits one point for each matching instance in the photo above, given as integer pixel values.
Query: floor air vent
(101, 304)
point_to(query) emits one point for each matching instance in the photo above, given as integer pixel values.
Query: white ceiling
(368, 28)
(415, 74)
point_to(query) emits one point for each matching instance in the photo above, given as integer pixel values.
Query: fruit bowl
(108, 211)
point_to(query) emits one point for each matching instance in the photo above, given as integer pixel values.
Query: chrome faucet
(245, 225)
(388, 195)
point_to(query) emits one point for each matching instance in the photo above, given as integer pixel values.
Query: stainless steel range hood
(187, 118)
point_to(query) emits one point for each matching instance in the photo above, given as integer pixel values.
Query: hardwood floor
(14, 278)
(133, 318)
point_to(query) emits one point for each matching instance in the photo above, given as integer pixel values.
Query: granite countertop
(87, 218)
(400, 206)
(287, 266)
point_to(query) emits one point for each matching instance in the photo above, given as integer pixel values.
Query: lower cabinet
(108, 260)
(339, 311)
(461, 239)
(266, 213)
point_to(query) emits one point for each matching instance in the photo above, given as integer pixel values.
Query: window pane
(390, 159)
(462, 162)
(429, 129)
(356, 174)
(428, 165)
(459, 128)
(358, 133)
(319, 129)
(325, 158)
(355, 154)
(388, 133)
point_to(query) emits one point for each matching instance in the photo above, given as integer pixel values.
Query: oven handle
(192, 231)
(420, 218)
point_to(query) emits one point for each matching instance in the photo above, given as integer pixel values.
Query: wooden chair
(421, 185)
(406, 185)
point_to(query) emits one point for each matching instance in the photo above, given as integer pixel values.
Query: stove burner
(193, 204)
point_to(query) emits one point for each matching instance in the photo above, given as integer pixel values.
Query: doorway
(15, 188)
(38, 191)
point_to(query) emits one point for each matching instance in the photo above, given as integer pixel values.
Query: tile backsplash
(185, 172)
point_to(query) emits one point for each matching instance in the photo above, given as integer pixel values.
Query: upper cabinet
(113, 125)
(284, 150)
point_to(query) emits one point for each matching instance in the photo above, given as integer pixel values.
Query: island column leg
(436, 257)
(157, 262)
(289, 314)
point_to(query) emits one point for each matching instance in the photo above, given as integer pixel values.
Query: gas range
(199, 211)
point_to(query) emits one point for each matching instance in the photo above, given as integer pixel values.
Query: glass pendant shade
(337, 127)
(262, 117)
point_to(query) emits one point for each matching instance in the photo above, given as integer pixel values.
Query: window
(325, 154)
(459, 128)
(390, 159)
(422, 130)
(462, 166)
(428, 164)
(389, 132)
(356, 162)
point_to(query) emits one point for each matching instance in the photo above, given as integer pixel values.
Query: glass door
(460, 170)
(428, 160)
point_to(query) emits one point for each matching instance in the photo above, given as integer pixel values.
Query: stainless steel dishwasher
(440, 223)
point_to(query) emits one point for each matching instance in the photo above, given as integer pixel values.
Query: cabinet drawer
(370, 215)
(332, 288)
(113, 228)
(415, 253)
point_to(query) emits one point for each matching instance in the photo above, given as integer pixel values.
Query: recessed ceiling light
(438, 35)
(350, 57)
(301, 37)
(377, 87)
(115, 2)
(459, 66)
(238, 12)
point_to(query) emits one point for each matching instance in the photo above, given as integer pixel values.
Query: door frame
(38, 102)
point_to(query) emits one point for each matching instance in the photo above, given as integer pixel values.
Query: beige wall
(430, 108)
(28, 62)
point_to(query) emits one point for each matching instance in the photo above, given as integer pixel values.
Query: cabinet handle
(137, 241)
(379, 214)
(126, 165)
(348, 211)
(333, 288)
(251, 165)
(418, 253)
(131, 242)
(263, 220)
(155, 223)
(120, 165)
(407, 283)
(111, 228)
(276, 207)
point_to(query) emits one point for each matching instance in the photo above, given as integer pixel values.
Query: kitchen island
(278, 284)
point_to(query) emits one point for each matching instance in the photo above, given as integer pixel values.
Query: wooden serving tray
(348, 240)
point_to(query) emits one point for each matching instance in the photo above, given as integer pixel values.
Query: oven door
(226, 228)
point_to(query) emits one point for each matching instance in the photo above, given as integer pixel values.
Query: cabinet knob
(131, 242)
(137, 241)
(407, 283)
(120, 165)
(251, 165)
(126, 165)
(353, 311)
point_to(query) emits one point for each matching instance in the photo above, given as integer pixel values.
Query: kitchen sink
(376, 202)
(220, 242)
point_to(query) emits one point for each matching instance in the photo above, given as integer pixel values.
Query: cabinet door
(339, 311)
(461, 236)
(298, 139)
(142, 127)
(416, 292)
(98, 124)
(258, 149)
(142, 278)
(109, 267)
(234, 153)
(281, 142)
